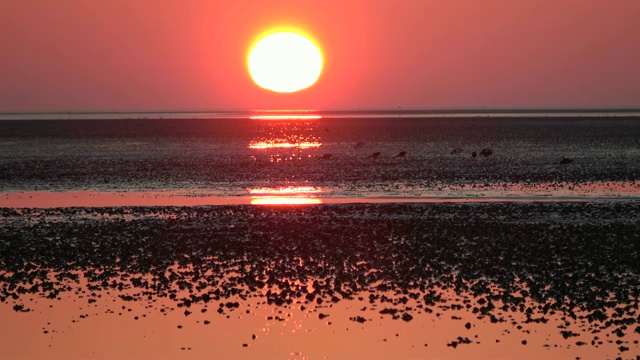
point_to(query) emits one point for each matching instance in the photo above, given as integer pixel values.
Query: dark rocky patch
(577, 260)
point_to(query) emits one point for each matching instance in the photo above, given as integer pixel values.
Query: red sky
(124, 55)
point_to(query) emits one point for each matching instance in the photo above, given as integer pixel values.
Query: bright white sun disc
(285, 62)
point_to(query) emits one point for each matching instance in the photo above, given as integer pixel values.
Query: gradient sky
(143, 55)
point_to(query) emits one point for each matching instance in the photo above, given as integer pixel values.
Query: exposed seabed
(444, 280)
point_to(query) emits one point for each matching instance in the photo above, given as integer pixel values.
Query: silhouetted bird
(565, 161)
(486, 152)
(326, 157)
(375, 155)
(474, 154)
(402, 154)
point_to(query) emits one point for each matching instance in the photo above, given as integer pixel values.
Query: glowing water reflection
(284, 200)
(273, 144)
(290, 195)
(285, 117)
(290, 142)
(286, 190)
(285, 135)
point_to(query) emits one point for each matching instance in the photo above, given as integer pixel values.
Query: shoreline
(67, 199)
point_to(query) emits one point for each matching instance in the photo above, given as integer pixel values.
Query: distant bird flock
(486, 152)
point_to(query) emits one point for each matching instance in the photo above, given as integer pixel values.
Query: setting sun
(285, 62)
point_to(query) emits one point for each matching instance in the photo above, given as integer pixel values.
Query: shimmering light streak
(284, 200)
(274, 145)
(286, 190)
(285, 117)
(290, 195)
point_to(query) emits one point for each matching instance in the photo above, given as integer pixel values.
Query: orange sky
(122, 55)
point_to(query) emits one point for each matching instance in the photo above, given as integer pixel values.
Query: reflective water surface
(379, 237)
(352, 157)
(409, 280)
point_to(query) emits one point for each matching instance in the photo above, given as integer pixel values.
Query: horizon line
(329, 111)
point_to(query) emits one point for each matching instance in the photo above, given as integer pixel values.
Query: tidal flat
(419, 280)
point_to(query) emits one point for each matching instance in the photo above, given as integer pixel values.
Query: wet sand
(442, 280)
(136, 238)
(221, 154)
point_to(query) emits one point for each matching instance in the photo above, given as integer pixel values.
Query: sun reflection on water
(284, 200)
(286, 190)
(286, 134)
(285, 117)
(285, 141)
(290, 195)
(274, 144)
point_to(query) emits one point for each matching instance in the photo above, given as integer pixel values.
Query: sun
(285, 62)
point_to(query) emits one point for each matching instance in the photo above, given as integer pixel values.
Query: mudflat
(556, 279)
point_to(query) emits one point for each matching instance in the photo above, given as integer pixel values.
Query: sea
(339, 156)
(386, 234)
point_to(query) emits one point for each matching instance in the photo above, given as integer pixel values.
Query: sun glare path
(290, 195)
(286, 190)
(286, 145)
(285, 117)
(285, 200)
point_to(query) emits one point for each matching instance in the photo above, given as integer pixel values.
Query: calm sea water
(339, 155)
(555, 279)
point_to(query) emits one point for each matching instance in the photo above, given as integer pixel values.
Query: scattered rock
(407, 317)
(486, 152)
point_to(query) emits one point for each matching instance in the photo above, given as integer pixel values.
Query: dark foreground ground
(507, 262)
